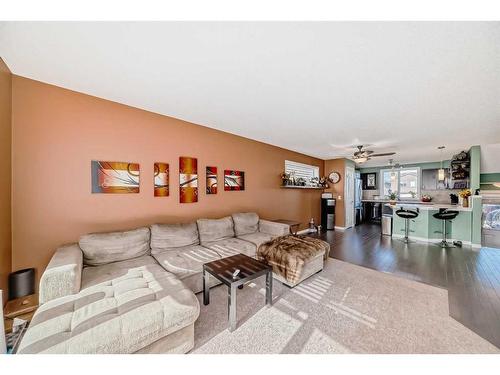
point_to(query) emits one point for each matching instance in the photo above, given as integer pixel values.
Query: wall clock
(334, 177)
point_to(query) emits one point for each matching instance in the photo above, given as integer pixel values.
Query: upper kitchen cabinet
(369, 181)
(430, 180)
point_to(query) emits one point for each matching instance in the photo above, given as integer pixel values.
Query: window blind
(299, 170)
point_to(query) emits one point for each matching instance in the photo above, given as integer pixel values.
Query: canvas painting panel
(161, 176)
(234, 180)
(211, 180)
(111, 177)
(188, 180)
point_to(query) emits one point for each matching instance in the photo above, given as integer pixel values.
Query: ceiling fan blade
(384, 154)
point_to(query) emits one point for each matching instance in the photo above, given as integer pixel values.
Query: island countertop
(429, 206)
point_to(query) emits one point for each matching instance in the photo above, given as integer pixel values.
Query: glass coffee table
(223, 270)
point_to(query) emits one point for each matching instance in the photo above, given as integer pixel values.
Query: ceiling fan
(362, 156)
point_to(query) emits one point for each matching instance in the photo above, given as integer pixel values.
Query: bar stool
(445, 215)
(407, 215)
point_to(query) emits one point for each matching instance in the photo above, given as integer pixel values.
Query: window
(299, 170)
(404, 181)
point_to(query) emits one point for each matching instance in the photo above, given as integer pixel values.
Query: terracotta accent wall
(5, 181)
(57, 132)
(337, 165)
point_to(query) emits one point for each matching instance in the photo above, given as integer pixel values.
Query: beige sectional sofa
(133, 291)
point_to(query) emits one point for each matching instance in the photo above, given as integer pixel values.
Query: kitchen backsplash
(369, 194)
(438, 196)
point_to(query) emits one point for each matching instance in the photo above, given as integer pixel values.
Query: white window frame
(301, 169)
(398, 170)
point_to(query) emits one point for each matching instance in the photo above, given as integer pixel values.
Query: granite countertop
(429, 206)
(387, 201)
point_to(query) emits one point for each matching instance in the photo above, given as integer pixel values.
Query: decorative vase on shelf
(464, 194)
(465, 202)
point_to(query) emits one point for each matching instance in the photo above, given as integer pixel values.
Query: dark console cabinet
(328, 213)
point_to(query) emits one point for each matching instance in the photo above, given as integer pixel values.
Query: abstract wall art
(114, 177)
(161, 180)
(188, 180)
(211, 180)
(234, 180)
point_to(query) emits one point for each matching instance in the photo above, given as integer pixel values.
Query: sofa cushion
(245, 223)
(103, 248)
(215, 229)
(187, 260)
(256, 238)
(168, 236)
(122, 315)
(93, 275)
(232, 246)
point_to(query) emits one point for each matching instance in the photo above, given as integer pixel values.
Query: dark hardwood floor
(471, 276)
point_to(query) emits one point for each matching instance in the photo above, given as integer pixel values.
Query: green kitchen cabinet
(461, 227)
(436, 226)
(426, 227)
(419, 227)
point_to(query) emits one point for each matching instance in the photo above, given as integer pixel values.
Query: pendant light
(441, 170)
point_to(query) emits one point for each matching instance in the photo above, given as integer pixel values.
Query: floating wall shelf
(302, 187)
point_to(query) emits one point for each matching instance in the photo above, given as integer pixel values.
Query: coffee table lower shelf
(223, 269)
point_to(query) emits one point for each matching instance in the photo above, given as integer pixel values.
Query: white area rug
(343, 309)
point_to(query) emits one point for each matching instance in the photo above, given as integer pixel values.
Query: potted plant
(465, 194)
(285, 178)
(393, 197)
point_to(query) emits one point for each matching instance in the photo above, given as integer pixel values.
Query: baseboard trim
(431, 240)
(340, 228)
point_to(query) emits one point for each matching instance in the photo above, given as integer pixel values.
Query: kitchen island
(429, 229)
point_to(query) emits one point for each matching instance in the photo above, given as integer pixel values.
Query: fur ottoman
(294, 258)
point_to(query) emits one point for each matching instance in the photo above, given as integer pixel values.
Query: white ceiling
(312, 87)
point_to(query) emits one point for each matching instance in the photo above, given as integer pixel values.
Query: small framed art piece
(161, 178)
(113, 177)
(211, 180)
(234, 180)
(188, 180)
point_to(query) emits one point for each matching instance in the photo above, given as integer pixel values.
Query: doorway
(349, 197)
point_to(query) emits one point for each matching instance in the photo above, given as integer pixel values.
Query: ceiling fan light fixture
(361, 155)
(360, 160)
